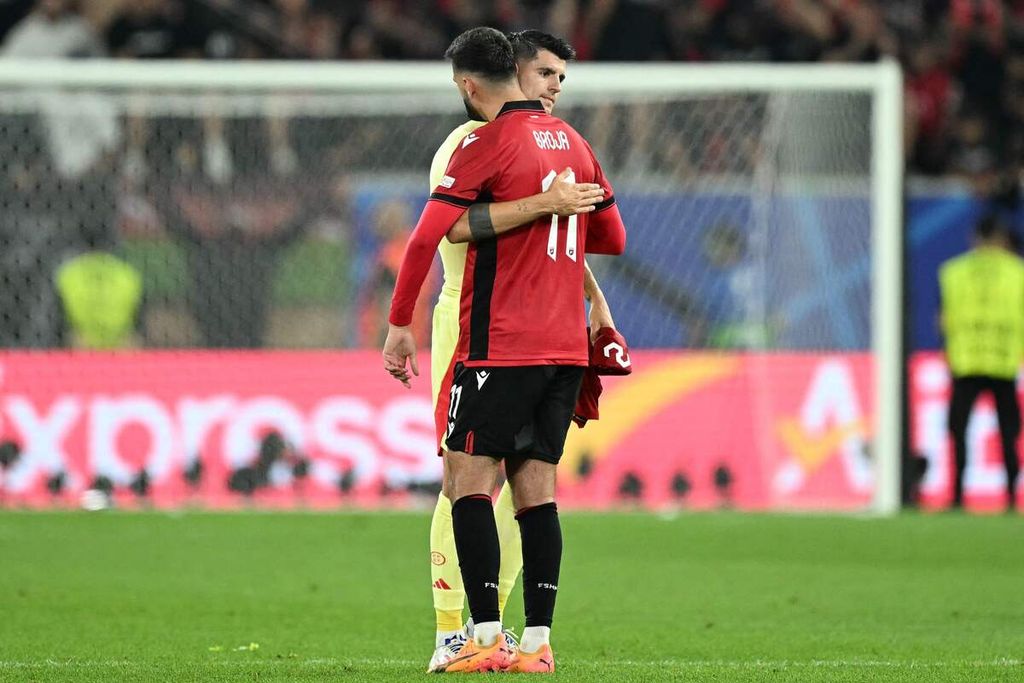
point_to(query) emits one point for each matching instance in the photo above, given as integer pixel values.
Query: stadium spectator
(11, 13)
(973, 151)
(460, 15)
(147, 29)
(235, 211)
(628, 30)
(983, 323)
(738, 31)
(979, 45)
(929, 99)
(862, 36)
(306, 32)
(408, 32)
(55, 28)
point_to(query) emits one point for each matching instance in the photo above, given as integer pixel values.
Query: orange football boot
(473, 657)
(540, 662)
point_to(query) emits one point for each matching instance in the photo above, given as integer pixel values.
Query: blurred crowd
(964, 59)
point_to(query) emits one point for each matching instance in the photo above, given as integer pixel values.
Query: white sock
(534, 638)
(486, 633)
(443, 636)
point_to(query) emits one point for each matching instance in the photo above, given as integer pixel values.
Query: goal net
(266, 206)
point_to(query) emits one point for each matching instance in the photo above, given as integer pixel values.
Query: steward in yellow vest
(101, 296)
(983, 323)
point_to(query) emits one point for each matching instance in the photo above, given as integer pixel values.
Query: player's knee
(470, 475)
(529, 493)
(530, 489)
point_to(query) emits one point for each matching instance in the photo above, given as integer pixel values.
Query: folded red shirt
(586, 403)
(609, 354)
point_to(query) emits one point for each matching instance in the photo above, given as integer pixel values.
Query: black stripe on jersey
(484, 270)
(454, 201)
(601, 206)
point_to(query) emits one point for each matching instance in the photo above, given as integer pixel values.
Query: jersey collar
(521, 105)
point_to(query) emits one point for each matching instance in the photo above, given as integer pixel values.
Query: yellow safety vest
(983, 312)
(101, 295)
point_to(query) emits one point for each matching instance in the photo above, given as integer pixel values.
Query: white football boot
(446, 652)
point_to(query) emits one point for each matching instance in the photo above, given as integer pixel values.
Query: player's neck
(491, 107)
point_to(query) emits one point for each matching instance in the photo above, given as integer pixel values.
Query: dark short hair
(991, 226)
(528, 43)
(483, 51)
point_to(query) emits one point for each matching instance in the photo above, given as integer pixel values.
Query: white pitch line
(664, 663)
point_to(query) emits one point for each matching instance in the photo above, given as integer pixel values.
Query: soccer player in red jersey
(541, 70)
(522, 347)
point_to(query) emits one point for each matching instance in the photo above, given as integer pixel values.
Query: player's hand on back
(400, 348)
(567, 198)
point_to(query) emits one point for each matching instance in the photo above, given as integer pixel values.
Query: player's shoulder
(457, 136)
(465, 129)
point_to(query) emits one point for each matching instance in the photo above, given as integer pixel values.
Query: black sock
(476, 540)
(542, 557)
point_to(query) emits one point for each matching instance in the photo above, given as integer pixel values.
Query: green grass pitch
(122, 596)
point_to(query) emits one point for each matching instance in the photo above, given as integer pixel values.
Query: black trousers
(965, 392)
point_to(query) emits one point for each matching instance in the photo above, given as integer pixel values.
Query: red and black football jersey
(522, 292)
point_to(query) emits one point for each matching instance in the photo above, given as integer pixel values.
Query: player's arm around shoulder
(606, 233)
(563, 198)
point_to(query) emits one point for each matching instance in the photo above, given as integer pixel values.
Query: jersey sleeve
(438, 166)
(606, 233)
(434, 223)
(473, 168)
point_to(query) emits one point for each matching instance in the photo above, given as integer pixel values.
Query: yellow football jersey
(453, 256)
(445, 333)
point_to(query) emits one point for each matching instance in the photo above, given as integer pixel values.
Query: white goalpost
(764, 201)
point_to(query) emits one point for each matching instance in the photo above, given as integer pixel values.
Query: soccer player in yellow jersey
(542, 61)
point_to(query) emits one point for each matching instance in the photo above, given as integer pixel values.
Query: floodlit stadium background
(792, 173)
(264, 224)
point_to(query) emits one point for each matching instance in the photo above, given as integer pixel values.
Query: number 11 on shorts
(571, 236)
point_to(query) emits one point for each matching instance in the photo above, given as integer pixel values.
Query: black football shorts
(520, 411)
